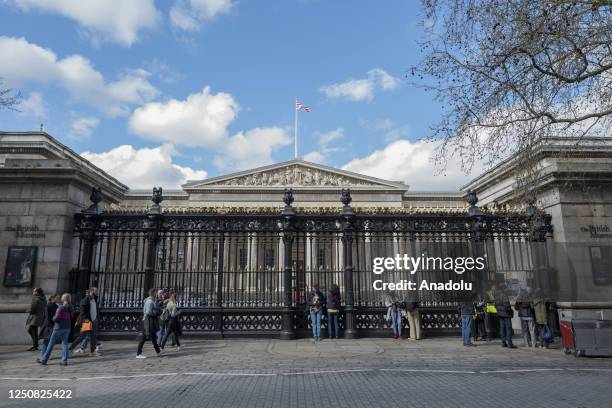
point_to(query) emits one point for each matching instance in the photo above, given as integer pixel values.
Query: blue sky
(156, 92)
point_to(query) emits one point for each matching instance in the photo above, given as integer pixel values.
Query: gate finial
(288, 197)
(96, 198)
(346, 199)
(472, 200)
(157, 198)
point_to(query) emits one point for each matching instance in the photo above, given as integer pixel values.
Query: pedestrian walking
(36, 316)
(524, 308)
(162, 301)
(333, 311)
(466, 309)
(504, 314)
(47, 329)
(414, 318)
(150, 324)
(394, 315)
(315, 301)
(172, 322)
(88, 322)
(61, 330)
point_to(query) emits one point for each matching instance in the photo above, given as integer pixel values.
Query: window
(321, 258)
(242, 258)
(269, 259)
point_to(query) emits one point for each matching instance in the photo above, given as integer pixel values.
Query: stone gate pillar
(348, 230)
(288, 235)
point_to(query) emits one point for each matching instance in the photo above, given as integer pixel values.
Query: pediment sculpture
(295, 176)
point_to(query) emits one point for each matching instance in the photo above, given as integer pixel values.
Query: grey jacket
(502, 304)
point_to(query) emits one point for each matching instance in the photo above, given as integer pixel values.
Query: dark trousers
(33, 332)
(490, 325)
(479, 328)
(142, 337)
(93, 341)
(170, 331)
(505, 330)
(332, 324)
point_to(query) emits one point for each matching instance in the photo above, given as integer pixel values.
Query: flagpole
(295, 131)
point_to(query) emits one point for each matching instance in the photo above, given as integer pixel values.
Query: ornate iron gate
(245, 271)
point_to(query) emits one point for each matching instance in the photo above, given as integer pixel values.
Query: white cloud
(315, 157)
(383, 79)
(82, 127)
(30, 62)
(361, 89)
(33, 106)
(413, 163)
(251, 149)
(202, 120)
(320, 156)
(199, 120)
(190, 15)
(328, 137)
(118, 21)
(144, 168)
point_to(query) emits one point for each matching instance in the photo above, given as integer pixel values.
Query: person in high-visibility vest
(491, 314)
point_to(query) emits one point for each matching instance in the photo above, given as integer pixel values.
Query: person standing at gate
(466, 309)
(480, 332)
(412, 313)
(333, 311)
(315, 301)
(525, 311)
(88, 320)
(150, 324)
(491, 314)
(61, 330)
(172, 322)
(394, 314)
(540, 314)
(505, 314)
(36, 317)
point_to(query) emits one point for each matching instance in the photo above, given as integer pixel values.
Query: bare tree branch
(511, 72)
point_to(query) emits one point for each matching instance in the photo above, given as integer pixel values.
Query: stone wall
(40, 215)
(42, 185)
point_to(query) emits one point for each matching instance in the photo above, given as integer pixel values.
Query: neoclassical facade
(44, 184)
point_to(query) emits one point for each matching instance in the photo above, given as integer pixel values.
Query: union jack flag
(300, 106)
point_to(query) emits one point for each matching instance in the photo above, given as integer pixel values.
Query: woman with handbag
(87, 317)
(172, 321)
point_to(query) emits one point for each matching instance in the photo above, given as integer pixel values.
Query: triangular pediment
(294, 173)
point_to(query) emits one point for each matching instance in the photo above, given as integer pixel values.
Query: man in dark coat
(505, 314)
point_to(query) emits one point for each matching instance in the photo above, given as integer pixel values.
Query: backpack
(547, 334)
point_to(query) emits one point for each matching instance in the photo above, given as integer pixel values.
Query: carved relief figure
(294, 176)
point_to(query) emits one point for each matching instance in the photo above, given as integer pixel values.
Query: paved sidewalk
(366, 372)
